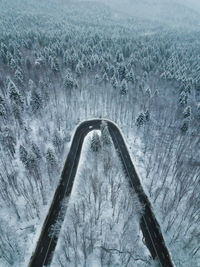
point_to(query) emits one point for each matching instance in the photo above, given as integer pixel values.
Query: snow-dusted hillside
(101, 226)
(62, 62)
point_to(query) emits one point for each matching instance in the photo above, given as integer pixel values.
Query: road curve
(150, 228)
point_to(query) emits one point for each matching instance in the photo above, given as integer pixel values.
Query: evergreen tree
(89, 65)
(122, 72)
(28, 63)
(14, 94)
(11, 49)
(140, 119)
(156, 93)
(31, 85)
(36, 101)
(187, 112)
(50, 157)
(95, 142)
(36, 150)
(9, 140)
(54, 65)
(73, 61)
(130, 77)
(119, 57)
(79, 68)
(197, 84)
(105, 78)
(198, 111)
(3, 53)
(106, 68)
(97, 79)
(57, 141)
(23, 155)
(185, 127)
(1, 100)
(124, 87)
(147, 115)
(16, 113)
(18, 77)
(9, 57)
(75, 83)
(145, 75)
(183, 98)
(114, 82)
(31, 163)
(13, 64)
(112, 71)
(2, 111)
(66, 58)
(148, 92)
(127, 50)
(105, 135)
(68, 81)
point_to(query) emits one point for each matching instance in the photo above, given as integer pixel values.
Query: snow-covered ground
(101, 225)
(66, 62)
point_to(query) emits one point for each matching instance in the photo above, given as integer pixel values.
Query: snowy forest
(95, 231)
(63, 62)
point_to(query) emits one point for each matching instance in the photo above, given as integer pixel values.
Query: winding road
(150, 228)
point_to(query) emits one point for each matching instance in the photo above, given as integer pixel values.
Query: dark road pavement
(148, 224)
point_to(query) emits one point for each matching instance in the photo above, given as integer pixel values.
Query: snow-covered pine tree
(140, 119)
(114, 82)
(16, 113)
(79, 68)
(57, 141)
(122, 71)
(187, 112)
(119, 57)
(50, 157)
(23, 155)
(148, 92)
(95, 142)
(123, 87)
(112, 71)
(2, 111)
(54, 64)
(73, 61)
(130, 76)
(36, 101)
(31, 85)
(36, 150)
(97, 79)
(198, 111)
(105, 135)
(105, 78)
(185, 126)
(14, 94)
(9, 140)
(68, 81)
(28, 63)
(183, 98)
(147, 115)
(13, 64)
(3, 53)
(66, 58)
(18, 77)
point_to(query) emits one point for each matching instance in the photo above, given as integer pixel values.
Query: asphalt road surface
(150, 228)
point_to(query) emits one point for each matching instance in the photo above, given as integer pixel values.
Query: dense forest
(64, 62)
